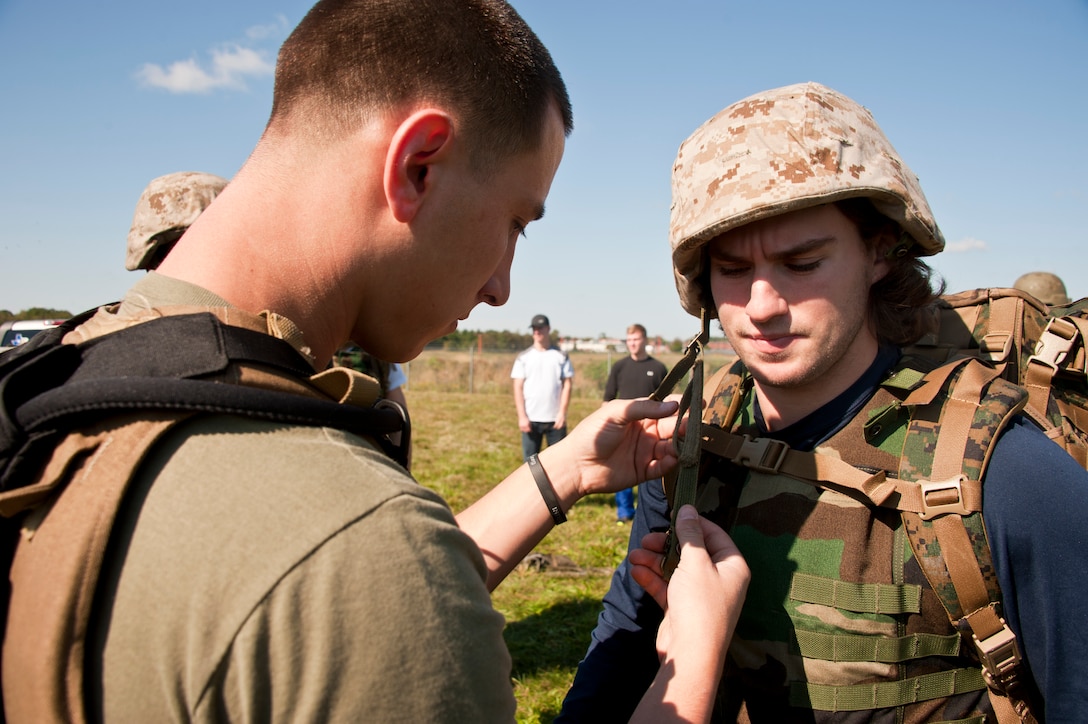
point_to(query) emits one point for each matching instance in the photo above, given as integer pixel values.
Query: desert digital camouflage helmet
(780, 151)
(166, 208)
(1044, 286)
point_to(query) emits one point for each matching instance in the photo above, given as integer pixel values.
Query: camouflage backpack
(1038, 347)
(1017, 339)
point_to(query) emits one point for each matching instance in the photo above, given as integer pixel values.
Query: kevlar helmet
(779, 151)
(167, 207)
(1044, 286)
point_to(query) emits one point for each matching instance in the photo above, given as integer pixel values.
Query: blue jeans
(625, 504)
(531, 441)
(625, 500)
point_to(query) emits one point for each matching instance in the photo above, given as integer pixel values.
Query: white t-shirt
(543, 372)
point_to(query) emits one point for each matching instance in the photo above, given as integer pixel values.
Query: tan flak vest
(68, 514)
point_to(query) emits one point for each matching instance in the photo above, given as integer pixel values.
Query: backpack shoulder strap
(948, 445)
(75, 422)
(163, 364)
(47, 623)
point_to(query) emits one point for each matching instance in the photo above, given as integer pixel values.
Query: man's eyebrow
(804, 247)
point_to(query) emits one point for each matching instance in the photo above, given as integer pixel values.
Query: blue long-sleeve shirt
(1035, 504)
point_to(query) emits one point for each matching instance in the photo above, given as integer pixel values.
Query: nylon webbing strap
(689, 446)
(886, 695)
(993, 640)
(691, 354)
(856, 647)
(955, 494)
(1005, 315)
(956, 419)
(1051, 353)
(858, 597)
(688, 478)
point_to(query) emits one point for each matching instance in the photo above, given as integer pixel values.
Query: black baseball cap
(540, 321)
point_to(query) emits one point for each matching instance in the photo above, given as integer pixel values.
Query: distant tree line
(506, 341)
(462, 339)
(33, 313)
(490, 340)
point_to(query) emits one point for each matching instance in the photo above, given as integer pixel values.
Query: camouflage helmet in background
(1044, 286)
(779, 151)
(168, 206)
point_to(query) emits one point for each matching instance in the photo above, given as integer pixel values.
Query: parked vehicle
(13, 334)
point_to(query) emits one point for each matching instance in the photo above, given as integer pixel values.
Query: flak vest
(841, 622)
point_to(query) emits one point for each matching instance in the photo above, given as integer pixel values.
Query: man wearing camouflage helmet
(797, 225)
(1048, 288)
(166, 208)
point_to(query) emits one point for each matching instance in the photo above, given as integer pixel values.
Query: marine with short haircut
(261, 570)
(799, 227)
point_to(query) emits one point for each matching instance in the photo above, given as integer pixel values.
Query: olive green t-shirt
(265, 572)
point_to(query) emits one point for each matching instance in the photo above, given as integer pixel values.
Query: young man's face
(792, 297)
(636, 344)
(466, 242)
(542, 335)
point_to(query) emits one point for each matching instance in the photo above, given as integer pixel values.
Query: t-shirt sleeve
(393, 601)
(568, 368)
(397, 378)
(518, 370)
(612, 384)
(1035, 504)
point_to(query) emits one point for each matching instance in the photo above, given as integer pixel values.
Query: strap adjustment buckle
(1000, 657)
(935, 494)
(995, 347)
(1055, 342)
(762, 454)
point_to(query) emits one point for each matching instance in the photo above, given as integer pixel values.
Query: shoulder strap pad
(157, 365)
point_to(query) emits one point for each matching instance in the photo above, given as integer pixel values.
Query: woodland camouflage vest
(841, 622)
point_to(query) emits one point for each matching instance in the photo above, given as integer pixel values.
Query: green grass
(464, 444)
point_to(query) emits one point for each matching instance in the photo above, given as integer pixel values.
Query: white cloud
(269, 30)
(965, 246)
(229, 68)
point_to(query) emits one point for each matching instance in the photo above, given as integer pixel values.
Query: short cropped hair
(637, 328)
(348, 60)
(898, 302)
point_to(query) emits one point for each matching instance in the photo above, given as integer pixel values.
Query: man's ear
(420, 141)
(887, 248)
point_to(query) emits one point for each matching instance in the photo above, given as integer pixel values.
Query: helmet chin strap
(688, 445)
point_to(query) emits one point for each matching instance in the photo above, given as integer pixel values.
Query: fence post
(471, 369)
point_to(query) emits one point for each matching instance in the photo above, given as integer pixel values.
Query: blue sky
(986, 102)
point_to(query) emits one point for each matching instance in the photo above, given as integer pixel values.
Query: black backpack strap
(158, 365)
